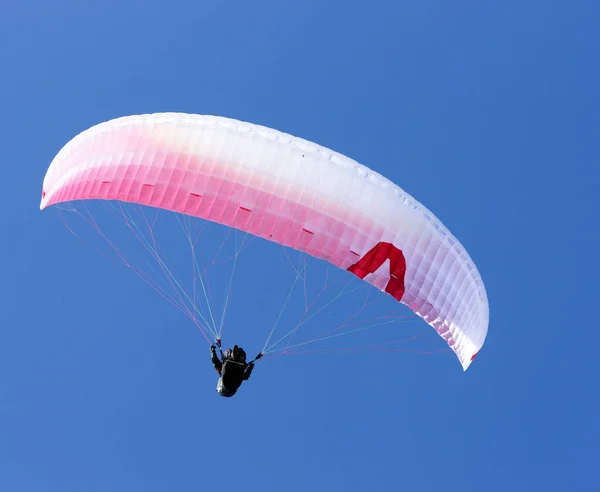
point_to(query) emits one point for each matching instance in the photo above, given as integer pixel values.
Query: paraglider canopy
(287, 190)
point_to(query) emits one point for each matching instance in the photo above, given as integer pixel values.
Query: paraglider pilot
(232, 368)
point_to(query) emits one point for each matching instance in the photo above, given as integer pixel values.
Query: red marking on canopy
(306, 230)
(374, 258)
(474, 355)
(246, 209)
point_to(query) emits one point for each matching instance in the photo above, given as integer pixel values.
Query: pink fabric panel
(217, 198)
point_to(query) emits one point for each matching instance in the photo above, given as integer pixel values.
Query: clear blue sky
(487, 112)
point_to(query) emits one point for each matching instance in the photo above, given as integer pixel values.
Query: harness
(221, 388)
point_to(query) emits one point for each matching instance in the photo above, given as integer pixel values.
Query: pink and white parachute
(287, 190)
